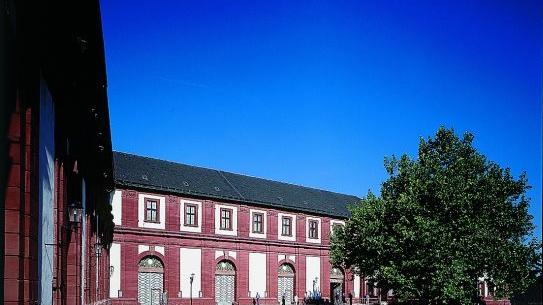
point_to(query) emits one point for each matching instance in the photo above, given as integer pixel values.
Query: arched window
(225, 267)
(285, 283)
(225, 283)
(285, 270)
(150, 280)
(336, 285)
(150, 264)
(336, 275)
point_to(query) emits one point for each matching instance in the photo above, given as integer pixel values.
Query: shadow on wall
(7, 108)
(532, 296)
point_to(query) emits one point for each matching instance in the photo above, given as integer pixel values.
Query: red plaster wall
(300, 228)
(272, 274)
(208, 272)
(130, 236)
(272, 225)
(242, 277)
(21, 217)
(325, 275)
(173, 221)
(20, 210)
(300, 275)
(172, 259)
(130, 209)
(243, 222)
(209, 217)
(325, 231)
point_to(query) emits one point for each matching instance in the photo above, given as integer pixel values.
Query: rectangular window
(226, 219)
(286, 226)
(313, 229)
(258, 223)
(151, 210)
(191, 215)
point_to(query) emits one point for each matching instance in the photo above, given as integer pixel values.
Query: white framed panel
(319, 231)
(284, 256)
(141, 212)
(227, 254)
(335, 222)
(159, 249)
(142, 248)
(312, 272)
(115, 263)
(356, 286)
(190, 262)
(257, 274)
(265, 224)
(234, 231)
(183, 227)
(117, 207)
(280, 226)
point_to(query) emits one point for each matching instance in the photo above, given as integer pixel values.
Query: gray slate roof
(153, 174)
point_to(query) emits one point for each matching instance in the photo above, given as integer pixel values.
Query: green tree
(442, 221)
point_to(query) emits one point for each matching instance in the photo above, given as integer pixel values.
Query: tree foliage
(442, 221)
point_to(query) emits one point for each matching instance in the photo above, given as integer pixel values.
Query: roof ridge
(229, 183)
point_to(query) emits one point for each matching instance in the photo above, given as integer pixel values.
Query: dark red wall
(21, 213)
(129, 236)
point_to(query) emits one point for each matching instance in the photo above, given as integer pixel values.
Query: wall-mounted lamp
(111, 270)
(98, 249)
(75, 213)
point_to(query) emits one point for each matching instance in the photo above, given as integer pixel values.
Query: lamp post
(191, 280)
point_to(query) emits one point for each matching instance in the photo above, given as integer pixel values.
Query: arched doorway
(336, 285)
(285, 283)
(225, 283)
(150, 280)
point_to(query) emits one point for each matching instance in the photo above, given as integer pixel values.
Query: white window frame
(234, 220)
(182, 226)
(280, 227)
(264, 224)
(161, 224)
(319, 230)
(335, 222)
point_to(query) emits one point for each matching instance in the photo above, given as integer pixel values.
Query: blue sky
(317, 93)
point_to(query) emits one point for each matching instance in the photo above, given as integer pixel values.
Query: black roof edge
(222, 172)
(198, 195)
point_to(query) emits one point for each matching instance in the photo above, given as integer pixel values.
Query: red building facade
(235, 249)
(55, 155)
